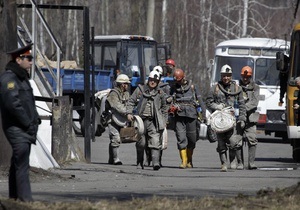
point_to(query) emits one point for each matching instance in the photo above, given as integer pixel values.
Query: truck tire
(296, 150)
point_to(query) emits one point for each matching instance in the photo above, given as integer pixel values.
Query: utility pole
(8, 31)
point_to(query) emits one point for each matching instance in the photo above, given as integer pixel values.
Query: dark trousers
(186, 132)
(19, 183)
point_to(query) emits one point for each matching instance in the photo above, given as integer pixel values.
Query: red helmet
(170, 62)
(246, 71)
(178, 75)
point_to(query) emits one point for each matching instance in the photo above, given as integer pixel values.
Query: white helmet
(154, 75)
(158, 69)
(226, 69)
(123, 78)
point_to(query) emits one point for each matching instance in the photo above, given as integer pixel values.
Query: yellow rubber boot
(183, 156)
(189, 153)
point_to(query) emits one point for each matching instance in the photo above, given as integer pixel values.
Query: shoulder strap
(113, 90)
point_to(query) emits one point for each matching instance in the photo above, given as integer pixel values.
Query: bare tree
(8, 31)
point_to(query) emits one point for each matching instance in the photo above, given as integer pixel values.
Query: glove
(169, 99)
(130, 117)
(220, 106)
(241, 123)
(173, 109)
(32, 130)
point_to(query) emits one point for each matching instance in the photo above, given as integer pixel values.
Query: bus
(260, 55)
(293, 65)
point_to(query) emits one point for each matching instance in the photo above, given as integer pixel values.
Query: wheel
(296, 150)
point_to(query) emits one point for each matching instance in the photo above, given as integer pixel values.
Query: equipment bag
(129, 135)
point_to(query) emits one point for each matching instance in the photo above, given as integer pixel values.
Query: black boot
(140, 157)
(161, 152)
(110, 155)
(155, 154)
(148, 155)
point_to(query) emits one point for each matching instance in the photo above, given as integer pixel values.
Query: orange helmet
(170, 62)
(246, 71)
(178, 75)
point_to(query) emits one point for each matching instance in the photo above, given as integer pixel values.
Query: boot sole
(156, 168)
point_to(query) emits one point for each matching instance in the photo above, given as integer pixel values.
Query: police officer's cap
(23, 51)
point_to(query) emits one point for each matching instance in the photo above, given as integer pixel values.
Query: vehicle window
(266, 72)
(150, 58)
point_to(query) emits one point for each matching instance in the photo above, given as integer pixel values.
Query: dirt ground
(288, 198)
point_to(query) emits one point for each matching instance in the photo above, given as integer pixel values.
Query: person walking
(186, 99)
(149, 101)
(226, 93)
(166, 88)
(251, 97)
(116, 103)
(20, 120)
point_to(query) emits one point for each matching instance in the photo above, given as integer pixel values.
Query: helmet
(170, 62)
(158, 69)
(154, 75)
(123, 78)
(246, 71)
(178, 74)
(226, 69)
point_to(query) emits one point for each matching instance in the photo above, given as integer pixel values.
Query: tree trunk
(150, 18)
(8, 31)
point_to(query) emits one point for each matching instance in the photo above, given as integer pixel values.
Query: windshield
(137, 56)
(266, 72)
(236, 64)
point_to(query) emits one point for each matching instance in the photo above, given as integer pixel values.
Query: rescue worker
(150, 104)
(116, 102)
(224, 94)
(20, 120)
(166, 88)
(170, 67)
(251, 97)
(187, 99)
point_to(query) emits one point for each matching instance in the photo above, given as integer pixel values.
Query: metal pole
(93, 86)
(87, 119)
(34, 21)
(58, 78)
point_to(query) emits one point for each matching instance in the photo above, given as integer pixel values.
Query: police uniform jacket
(140, 98)
(18, 111)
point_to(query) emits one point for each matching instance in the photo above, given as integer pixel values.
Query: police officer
(117, 99)
(251, 97)
(224, 94)
(150, 104)
(187, 99)
(20, 120)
